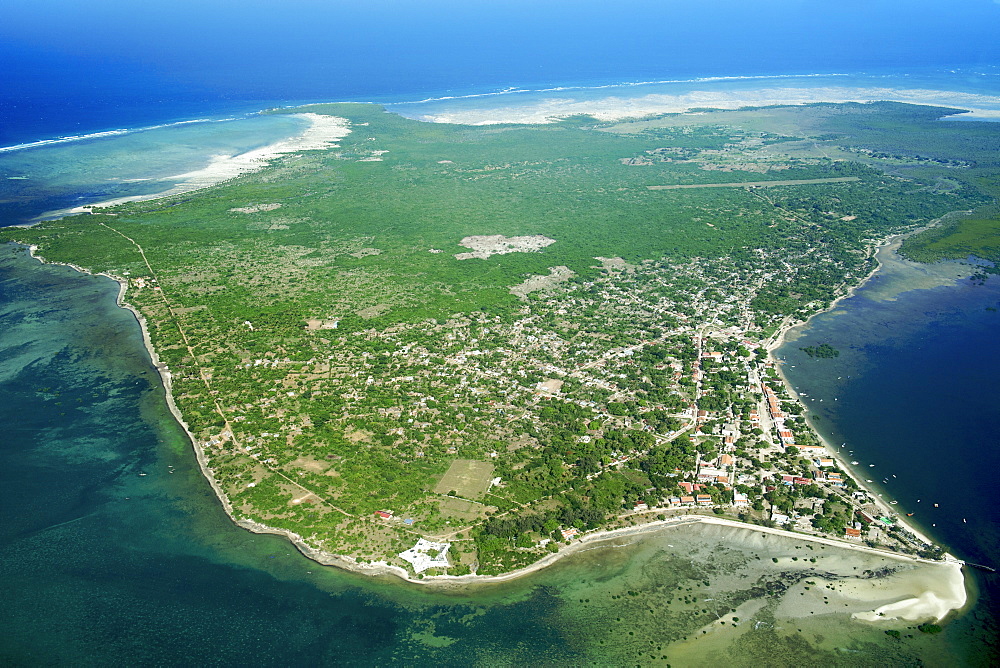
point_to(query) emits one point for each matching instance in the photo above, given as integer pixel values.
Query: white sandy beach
(323, 133)
(618, 107)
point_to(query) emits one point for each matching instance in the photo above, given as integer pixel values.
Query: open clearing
(460, 509)
(468, 478)
(758, 184)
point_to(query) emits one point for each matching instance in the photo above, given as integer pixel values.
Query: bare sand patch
(926, 594)
(483, 246)
(629, 105)
(535, 283)
(309, 464)
(551, 385)
(256, 208)
(316, 323)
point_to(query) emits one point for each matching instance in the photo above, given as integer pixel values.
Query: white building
(426, 554)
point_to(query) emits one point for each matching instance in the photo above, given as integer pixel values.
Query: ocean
(113, 549)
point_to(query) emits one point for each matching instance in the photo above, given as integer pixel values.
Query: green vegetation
(364, 361)
(823, 350)
(974, 236)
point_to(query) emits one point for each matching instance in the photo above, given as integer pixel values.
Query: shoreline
(919, 606)
(257, 160)
(888, 244)
(323, 133)
(612, 108)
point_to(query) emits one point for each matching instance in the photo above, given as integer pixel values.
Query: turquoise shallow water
(115, 551)
(113, 547)
(41, 178)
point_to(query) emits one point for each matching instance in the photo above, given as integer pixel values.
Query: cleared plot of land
(460, 509)
(468, 478)
(484, 246)
(758, 184)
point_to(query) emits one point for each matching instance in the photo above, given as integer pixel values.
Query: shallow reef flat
(702, 594)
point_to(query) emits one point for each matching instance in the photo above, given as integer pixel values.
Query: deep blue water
(71, 67)
(914, 391)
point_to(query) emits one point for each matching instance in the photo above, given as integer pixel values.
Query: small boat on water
(935, 505)
(909, 514)
(892, 503)
(871, 465)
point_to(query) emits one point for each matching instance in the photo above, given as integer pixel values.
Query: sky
(127, 53)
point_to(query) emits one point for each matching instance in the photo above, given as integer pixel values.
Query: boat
(892, 503)
(935, 505)
(909, 514)
(854, 462)
(870, 465)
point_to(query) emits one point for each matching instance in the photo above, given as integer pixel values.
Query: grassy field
(466, 478)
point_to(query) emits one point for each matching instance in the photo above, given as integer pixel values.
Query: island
(456, 353)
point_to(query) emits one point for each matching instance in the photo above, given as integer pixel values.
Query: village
(591, 381)
(500, 396)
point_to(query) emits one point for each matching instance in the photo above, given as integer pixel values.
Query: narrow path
(204, 376)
